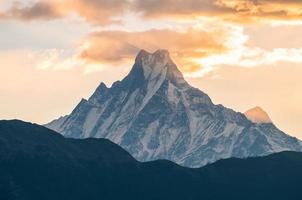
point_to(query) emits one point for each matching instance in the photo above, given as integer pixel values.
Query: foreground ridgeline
(153, 113)
(37, 163)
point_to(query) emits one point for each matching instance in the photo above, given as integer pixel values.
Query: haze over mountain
(37, 163)
(154, 113)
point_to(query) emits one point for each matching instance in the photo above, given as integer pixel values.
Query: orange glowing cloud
(40, 10)
(230, 10)
(196, 50)
(108, 11)
(265, 9)
(118, 46)
(94, 11)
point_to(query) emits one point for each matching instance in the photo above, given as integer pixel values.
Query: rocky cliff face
(154, 113)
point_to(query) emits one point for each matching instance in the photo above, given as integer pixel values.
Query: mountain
(258, 115)
(154, 113)
(37, 163)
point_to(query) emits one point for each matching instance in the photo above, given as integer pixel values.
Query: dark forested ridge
(37, 163)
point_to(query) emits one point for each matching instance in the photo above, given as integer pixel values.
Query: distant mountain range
(37, 163)
(153, 113)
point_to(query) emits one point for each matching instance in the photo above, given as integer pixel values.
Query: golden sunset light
(150, 99)
(56, 44)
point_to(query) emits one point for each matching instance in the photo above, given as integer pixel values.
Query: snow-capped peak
(155, 114)
(160, 55)
(159, 64)
(258, 115)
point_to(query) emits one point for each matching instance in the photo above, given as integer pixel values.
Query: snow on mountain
(154, 113)
(258, 115)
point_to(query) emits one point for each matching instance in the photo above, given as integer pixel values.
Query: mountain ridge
(154, 113)
(38, 163)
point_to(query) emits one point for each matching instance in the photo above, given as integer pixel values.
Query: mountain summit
(154, 113)
(157, 63)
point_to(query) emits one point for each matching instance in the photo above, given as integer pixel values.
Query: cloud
(263, 9)
(240, 54)
(98, 11)
(39, 10)
(242, 11)
(185, 46)
(107, 49)
(179, 8)
(53, 60)
(103, 12)
(94, 11)
(196, 51)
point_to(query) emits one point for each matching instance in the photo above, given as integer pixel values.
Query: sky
(243, 53)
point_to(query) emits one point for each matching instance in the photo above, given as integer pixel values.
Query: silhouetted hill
(37, 163)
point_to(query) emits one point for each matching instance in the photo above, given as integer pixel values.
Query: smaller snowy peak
(258, 115)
